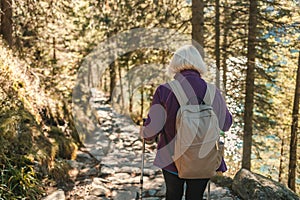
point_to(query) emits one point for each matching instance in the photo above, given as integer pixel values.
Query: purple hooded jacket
(163, 111)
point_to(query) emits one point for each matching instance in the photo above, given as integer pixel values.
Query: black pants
(175, 187)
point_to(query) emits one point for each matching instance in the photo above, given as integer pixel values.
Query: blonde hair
(186, 57)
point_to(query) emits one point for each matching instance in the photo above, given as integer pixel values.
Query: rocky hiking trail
(110, 165)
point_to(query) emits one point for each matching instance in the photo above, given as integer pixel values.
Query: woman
(188, 66)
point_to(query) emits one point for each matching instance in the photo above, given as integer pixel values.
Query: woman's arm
(156, 117)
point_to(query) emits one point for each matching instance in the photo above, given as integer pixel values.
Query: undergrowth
(35, 134)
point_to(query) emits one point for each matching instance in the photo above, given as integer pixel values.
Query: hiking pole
(140, 196)
(208, 190)
(142, 170)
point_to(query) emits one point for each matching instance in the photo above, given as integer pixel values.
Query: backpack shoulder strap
(209, 94)
(179, 92)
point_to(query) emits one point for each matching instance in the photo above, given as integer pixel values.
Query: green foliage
(18, 174)
(18, 179)
(27, 154)
(60, 172)
(66, 147)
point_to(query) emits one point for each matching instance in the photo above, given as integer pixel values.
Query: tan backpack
(197, 152)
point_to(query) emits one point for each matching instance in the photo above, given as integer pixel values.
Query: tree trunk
(198, 25)
(112, 74)
(121, 87)
(105, 81)
(130, 103)
(281, 159)
(249, 98)
(224, 48)
(54, 60)
(6, 21)
(293, 142)
(217, 45)
(90, 76)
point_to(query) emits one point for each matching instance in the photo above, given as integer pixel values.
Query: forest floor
(110, 165)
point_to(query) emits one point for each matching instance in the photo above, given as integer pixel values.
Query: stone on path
(56, 195)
